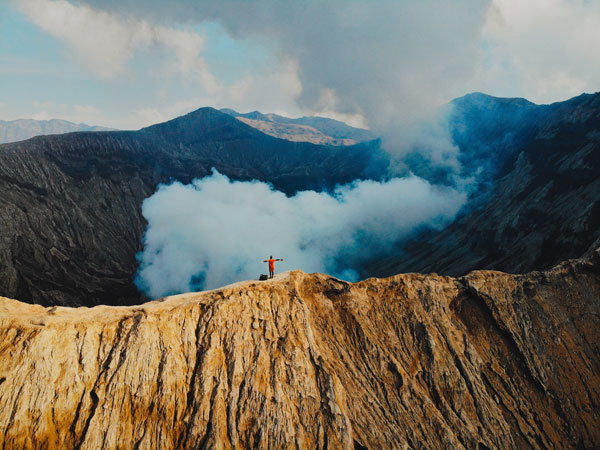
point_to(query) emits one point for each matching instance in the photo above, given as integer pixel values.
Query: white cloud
(88, 114)
(87, 109)
(394, 62)
(327, 106)
(41, 115)
(107, 42)
(186, 47)
(216, 231)
(389, 62)
(545, 50)
(275, 90)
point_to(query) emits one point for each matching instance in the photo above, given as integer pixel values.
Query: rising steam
(216, 231)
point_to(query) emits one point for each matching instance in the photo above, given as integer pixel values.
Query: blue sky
(383, 64)
(42, 76)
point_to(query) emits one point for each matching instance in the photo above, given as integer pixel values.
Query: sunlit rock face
(489, 360)
(318, 130)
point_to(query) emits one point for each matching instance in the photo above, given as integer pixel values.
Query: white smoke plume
(392, 62)
(217, 231)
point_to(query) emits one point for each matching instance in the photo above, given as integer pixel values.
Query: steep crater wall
(70, 205)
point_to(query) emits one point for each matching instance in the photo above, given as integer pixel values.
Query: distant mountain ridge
(318, 130)
(21, 129)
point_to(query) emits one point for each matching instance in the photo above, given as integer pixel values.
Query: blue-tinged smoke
(216, 231)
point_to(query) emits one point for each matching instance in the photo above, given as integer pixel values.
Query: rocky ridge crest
(489, 360)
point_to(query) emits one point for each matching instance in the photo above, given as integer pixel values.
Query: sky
(383, 64)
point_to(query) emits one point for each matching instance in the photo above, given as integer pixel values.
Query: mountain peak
(231, 112)
(201, 124)
(480, 97)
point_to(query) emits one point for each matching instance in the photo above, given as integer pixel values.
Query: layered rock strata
(489, 360)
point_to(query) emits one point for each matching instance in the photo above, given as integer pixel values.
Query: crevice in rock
(188, 415)
(72, 428)
(95, 401)
(359, 446)
(473, 311)
(399, 382)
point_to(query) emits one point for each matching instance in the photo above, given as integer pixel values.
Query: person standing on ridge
(271, 262)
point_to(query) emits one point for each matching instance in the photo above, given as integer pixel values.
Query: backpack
(263, 277)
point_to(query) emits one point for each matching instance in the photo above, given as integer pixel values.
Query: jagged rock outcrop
(489, 360)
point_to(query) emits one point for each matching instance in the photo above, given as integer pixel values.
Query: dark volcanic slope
(70, 205)
(543, 163)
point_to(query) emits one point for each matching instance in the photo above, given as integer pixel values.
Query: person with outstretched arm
(271, 262)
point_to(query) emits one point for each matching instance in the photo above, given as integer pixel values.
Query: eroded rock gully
(489, 360)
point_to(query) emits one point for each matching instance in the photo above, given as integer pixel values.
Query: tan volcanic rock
(295, 132)
(490, 360)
